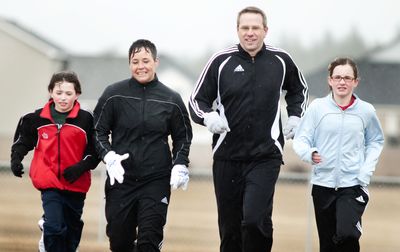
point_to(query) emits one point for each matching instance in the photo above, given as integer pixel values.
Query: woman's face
(342, 81)
(64, 96)
(143, 66)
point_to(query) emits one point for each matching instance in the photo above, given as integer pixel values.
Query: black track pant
(338, 216)
(63, 226)
(137, 211)
(244, 193)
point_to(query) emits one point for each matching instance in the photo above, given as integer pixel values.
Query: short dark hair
(255, 10)
(68, 76)
(343, 61)
(142, 43)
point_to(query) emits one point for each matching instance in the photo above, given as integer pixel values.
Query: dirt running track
(192, 220)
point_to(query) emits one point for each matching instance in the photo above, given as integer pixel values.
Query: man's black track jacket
(246, 91)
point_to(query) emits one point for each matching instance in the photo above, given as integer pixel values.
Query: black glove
(17, 168)
(73, 172)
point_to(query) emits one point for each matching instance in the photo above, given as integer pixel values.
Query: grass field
(192, 220)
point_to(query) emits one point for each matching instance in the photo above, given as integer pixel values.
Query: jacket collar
(247, 55)
(134, 83)
(333, 102)
(46, 113)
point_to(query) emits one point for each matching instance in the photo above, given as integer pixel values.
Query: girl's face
(342, 81)
(64, 96)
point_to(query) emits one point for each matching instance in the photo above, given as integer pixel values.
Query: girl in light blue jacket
(340, 135)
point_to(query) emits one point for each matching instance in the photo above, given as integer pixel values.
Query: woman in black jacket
(140, 114)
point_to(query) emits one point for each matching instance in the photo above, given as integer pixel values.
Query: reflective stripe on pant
(137, 211)
(244, 193)
(338, 216)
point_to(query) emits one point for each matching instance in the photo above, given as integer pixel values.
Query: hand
(179, 177)
(290, 128)
(114, 167)
(316, 157)
(17, 168)
(215, 124)
(73, 172)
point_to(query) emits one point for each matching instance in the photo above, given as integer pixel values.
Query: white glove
(215, 124)
(114, 167)
(290, 128)
(179, 177)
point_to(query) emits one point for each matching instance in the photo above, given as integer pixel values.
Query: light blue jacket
(349, 142)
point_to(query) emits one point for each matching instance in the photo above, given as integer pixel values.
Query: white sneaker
(41, 241)
(41, 244)
(40, 224)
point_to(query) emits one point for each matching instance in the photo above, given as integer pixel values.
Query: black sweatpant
(244, 193)
(137, 210)
(63, 226)
(338, 217)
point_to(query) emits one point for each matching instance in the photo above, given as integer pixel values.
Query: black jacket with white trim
(140, 118)
(246, 91)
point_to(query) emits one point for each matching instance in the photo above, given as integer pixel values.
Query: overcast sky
(189, 27)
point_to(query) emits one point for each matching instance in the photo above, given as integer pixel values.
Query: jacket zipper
(143, 124)
(59, 151)
(337, 169)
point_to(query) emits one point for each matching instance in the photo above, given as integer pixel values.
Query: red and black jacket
(56, 147)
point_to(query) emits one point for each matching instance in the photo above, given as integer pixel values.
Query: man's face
(143, 66)
(251, 32)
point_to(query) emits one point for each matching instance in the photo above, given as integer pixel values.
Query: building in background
(27, 61)
(26, 64)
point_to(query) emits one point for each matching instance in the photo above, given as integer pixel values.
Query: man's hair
(343, 61)
(255, 10)
(68, 76)
(142, 43)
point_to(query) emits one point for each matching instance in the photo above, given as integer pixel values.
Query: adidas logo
(239, 68)
(360, 199)
(45, 136)
(164, 200)
(359, 227)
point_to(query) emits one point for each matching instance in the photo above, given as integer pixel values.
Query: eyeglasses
(338, 78)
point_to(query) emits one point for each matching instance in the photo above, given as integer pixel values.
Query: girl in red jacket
(61, 135)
